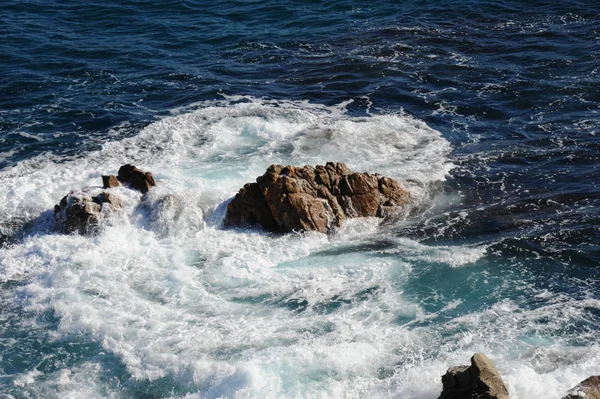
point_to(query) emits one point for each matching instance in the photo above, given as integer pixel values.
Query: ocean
(487, 111)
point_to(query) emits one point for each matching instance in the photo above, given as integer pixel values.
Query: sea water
(485, 111)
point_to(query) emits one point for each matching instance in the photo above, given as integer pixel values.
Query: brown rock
(290, 198)
(136, 178)
(250, 208)
(586, 389)
(481, 380)
(110, 181)
(80, 213)
(110, 199)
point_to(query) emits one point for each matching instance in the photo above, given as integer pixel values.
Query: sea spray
(169, 303)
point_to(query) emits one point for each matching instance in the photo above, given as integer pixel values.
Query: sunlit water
(487, 114)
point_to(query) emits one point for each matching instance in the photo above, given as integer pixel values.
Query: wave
(174, 305)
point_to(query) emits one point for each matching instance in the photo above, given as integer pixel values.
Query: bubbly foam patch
(177, 306)
(214, 150)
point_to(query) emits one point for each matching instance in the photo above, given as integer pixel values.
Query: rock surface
(586, 389)
(319, 198)
(79, 212)
(163, 211)
(135, 178)
(480, 380)
(110, 181)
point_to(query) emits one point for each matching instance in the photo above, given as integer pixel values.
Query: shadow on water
(295, 302)
(15, 231)
(535, 287)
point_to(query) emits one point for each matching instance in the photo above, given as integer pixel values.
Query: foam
(84, 381)
(249, 319)
(215, 149)
(211, 312)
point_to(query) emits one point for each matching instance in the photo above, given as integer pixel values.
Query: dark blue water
(512, 86)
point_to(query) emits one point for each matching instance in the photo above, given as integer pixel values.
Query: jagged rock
(290, 198)
(79, 212)
(110, 181)
(480, 380)
(135, 178)
(586, 389)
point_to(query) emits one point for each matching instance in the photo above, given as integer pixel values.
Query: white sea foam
(217, 312)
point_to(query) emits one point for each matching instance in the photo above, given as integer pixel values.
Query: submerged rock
(480, 380)
(586, 389)
(135, 178)
(163, 211)
(319, 198)
(79, 212)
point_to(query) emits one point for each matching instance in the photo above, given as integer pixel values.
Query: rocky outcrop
(319, 198)
(135, 178)
(79, 212)
(82, 212)
(480, 380)
(586, 389)
(110, 181)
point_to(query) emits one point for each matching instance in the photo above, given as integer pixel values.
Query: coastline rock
(79, 212)
(110, 181)
(480, 380)
(135, 178)
(319, 198)
(163, 211)
(586, 389)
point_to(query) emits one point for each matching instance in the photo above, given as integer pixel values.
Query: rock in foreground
(79, 212)
(290, 198)
(586, 389)
(110, 181)
(480, 380)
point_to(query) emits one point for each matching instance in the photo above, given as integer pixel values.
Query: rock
(586, 389)
(250, 209)
(79, 212)
(110, 181)
(163, 212)
(113, 200)
(481, 380)
(290, 198)
(135, 178)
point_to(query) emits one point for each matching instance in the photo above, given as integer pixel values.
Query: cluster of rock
(284, 199)
(80, 212)
(481, 380)
(131, 177)
(319, 198)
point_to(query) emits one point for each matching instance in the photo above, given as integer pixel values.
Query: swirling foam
(210, 312)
